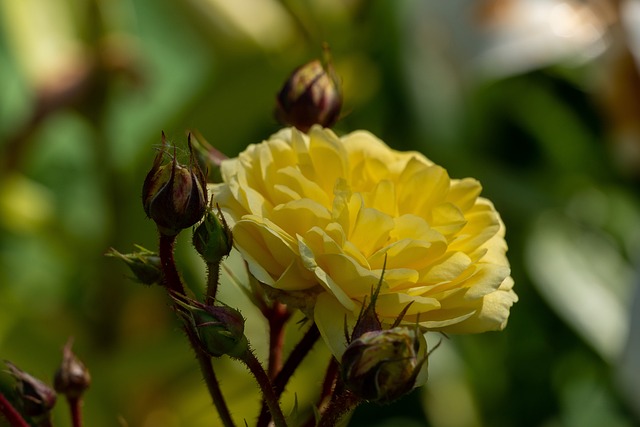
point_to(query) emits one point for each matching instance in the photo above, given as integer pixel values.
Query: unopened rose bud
(38, 399)
(174, 195)
(382, 366)
(212, 238)
(219, 329)
(72, 378)
(310, 96)
(144, 264)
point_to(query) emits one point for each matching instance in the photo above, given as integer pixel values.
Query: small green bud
(72, 378)
(382, 366)
(212, 238)
(174, 195)
(310, 96)
(144, 264)
(38, 399)
(219, 329)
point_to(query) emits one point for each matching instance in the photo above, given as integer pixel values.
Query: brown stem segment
(212, 383)
(75, 406)
(328, 386)
(11, 414)
(342, 402)
(171, 277)
(277, 316)
(296, 357)
(329, 383)
(266, 387)
(173, 283)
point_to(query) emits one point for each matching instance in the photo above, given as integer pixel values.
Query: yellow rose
(317, 215)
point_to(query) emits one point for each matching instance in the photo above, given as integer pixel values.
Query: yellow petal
(330, 317)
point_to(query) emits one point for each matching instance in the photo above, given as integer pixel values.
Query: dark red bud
(310, 96)
(174, 195)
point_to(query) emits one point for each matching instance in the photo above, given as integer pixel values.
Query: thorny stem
(173, 283)
(342, 402)
(171, 278)
(213, 277)
(327, 389)
(295, 358)
(277, 316)
(329, 383)
(266, 387)
(212, 382)
(11, 414)
(293, 361)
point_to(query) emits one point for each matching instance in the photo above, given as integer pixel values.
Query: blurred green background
(538, 99)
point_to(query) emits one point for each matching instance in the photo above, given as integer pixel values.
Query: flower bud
(212, 238)
(219, 329)
(174, 195)
(382, 366)
(311, 95)
(144, 264)
(38, 399)
(72, 378)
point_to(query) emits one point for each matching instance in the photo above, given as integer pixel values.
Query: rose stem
(266, 387)
(75, 405)
(213, 277)
(212, 382)
(327, 388)
(171, 278)
(173, 283)
(341, 403)
(277, 315)
(293, 361)
(11, 414)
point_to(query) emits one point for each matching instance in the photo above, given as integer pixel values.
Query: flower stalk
(296, 357)
(266, 387)
(342, 402)
(210, 379)
(277, 317)
(10, 413)
(170, 276)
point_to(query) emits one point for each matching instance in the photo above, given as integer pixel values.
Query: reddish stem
(75, 405)
(173, 283)
(11, 414)
(293, 361)
(342, 402)
(171, 277)
(328, 387)
(329, 382)
(277, 316)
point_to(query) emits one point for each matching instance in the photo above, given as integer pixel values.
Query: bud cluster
(36, 399)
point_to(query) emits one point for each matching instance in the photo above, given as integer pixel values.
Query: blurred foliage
(551, 131)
